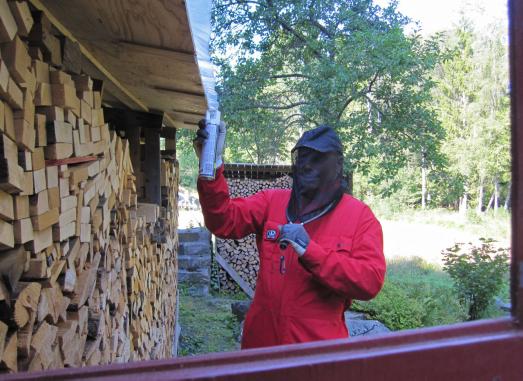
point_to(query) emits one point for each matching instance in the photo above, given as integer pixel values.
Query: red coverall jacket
(299, 300)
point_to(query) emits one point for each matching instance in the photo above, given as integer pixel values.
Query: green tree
(189, 164)
(286, 66)
(473, 104)
(495, 110)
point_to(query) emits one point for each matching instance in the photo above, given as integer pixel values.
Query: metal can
(208, 156)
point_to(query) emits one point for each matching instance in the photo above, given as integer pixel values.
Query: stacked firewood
(247, 187)
(86, 276)
(242, 254)
(153, 282)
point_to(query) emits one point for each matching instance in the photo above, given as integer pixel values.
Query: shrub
(415, 294)
(478, 273)
(393, 307)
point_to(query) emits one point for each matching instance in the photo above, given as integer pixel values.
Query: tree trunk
(463, 204)
(490, 201)
(423, 179)
(479, 208)
(496, 195)
(349, 178)
(509, 194)
(423, 188)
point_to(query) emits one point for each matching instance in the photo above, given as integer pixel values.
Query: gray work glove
(296, 235)
(201, 135)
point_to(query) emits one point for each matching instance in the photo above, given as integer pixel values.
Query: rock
(193, 263)
(194, 235)
(505, 307)
(198, 248)
(359, 326)
(366, 327)
(239, 309)
(355, 315)
(196, 282)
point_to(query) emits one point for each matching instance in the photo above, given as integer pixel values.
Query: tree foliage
(472, 100)
(286, 66)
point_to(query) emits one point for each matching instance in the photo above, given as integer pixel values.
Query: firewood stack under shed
(88, 274)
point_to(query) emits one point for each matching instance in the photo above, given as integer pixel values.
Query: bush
(415, 294)
(478, 273)
(393, 307)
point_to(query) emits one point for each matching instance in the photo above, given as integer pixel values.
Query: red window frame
(487, 349)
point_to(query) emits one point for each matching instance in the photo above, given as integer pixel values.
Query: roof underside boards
(145, 45)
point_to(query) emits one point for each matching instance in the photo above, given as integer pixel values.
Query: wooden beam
(430, 354)
(198, 114)
(179, 91)
(169, 121)
(168, 133)
(234, 275)
(62, 29)
(152, 164)
(188, 53)
(119, 117)
(516, 84)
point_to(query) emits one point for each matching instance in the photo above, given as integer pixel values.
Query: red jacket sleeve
(358, 274)
(226, 217)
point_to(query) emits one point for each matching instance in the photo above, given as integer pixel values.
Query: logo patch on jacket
(271, 234)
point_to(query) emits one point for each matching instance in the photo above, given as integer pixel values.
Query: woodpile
(242, 254)
(88, 273)
(153, 281)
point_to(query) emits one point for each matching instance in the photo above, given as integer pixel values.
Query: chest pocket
(340, 244)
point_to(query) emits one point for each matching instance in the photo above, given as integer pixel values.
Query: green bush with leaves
(478, 273)
(393, 307)
(415, 294)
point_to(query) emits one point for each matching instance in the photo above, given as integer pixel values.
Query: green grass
(487, 225)
(418, 294)
(207, 325)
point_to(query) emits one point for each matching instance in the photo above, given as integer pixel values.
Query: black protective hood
(317, 171)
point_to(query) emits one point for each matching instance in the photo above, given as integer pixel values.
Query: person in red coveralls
(319, 247)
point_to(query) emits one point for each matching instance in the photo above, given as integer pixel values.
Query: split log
(26, 302)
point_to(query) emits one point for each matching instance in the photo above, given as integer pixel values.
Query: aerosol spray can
(208, 157)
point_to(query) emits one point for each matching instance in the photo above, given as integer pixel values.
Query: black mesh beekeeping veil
(317, 170)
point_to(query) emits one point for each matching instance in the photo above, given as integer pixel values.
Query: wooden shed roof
(142, 49)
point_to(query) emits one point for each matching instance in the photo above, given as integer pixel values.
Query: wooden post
(170, 141)
(170, 144)
(137, 124)
(152, 165)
